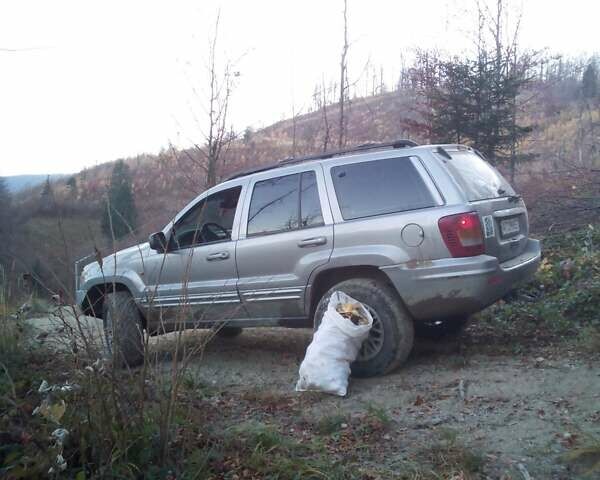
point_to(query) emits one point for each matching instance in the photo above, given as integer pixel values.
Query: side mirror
(158, 242)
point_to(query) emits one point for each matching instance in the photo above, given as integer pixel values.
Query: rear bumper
(452, 287)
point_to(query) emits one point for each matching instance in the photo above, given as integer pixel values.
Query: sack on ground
(335, 345)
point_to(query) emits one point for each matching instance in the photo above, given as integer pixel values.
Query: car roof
(366, 152)
(361, 149)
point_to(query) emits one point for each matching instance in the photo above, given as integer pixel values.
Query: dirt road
(518, 412)
(511, 409)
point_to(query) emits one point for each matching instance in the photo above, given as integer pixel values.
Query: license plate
(510, 226)
(488, 226)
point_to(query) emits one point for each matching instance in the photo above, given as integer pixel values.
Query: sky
(85, 82)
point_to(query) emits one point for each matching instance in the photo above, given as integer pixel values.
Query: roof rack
(323, 156)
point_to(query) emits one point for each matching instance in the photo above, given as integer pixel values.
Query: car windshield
(478, 179)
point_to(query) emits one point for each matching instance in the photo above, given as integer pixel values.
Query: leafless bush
(121, 416)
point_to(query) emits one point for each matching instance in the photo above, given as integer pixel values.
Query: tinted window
(211, 220)
(275, 205)
(379, 187)
(478, 179)
(310, 204)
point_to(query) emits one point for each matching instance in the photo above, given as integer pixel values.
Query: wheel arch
(325, 279)
(93, 302)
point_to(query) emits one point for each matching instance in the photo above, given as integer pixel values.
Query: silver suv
(424, 236)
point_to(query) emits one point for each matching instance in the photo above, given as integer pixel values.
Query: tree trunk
(343, 76)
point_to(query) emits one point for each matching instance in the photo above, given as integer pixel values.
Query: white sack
(335, 345)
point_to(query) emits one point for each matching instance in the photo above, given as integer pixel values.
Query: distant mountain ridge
(17, 183)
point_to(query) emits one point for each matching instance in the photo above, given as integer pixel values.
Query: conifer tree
(589, 82)
(120, 214)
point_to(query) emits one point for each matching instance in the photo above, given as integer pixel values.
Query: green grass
(330, 424)
(11, 348)
(265, 451)
(196, 385)
(254, 435)
(589, 339)
(379, 413)
(25, 451)
(586, 455)
(563, 297)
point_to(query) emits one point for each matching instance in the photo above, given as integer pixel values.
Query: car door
(196, 278)
(286, 232)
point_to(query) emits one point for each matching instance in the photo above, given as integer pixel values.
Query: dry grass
(450, 459)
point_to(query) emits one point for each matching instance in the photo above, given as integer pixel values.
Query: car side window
(284, 203)
(211, 220)
(378, 187)
(310, 205)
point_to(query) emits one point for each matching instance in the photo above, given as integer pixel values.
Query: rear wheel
(391, 338)
(440, 328)
(123, 330)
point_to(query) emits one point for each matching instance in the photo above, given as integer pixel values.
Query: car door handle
(217, 256)
(312, 242)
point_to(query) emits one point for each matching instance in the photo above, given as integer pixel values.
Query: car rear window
(378, 187)
(478, 179)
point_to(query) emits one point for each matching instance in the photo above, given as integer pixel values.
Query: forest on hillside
(534, 114)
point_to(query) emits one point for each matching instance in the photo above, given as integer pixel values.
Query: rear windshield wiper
(511, 198)
(514, 198)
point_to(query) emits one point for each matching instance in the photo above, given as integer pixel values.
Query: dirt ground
(519, 408)
(513, 409)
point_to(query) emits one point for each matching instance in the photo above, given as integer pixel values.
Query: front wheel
(123, 330)
(391, 338)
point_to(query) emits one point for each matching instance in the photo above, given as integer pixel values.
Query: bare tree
(294, 124)
(320, 101)
(326, 127)
(217, 135)
(343, 80)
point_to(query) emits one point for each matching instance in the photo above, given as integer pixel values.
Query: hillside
(561, 185)
(165, 182)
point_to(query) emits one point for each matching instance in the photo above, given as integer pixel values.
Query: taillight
(462, 234)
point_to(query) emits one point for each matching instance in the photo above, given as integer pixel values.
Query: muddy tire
(229, 332)
(440, 329)
(123, 330)
(392, 335)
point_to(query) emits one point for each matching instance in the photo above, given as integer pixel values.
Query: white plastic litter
(60, 435)
(335, 345)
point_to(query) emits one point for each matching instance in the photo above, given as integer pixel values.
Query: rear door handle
(217, 256)
(312, 242)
